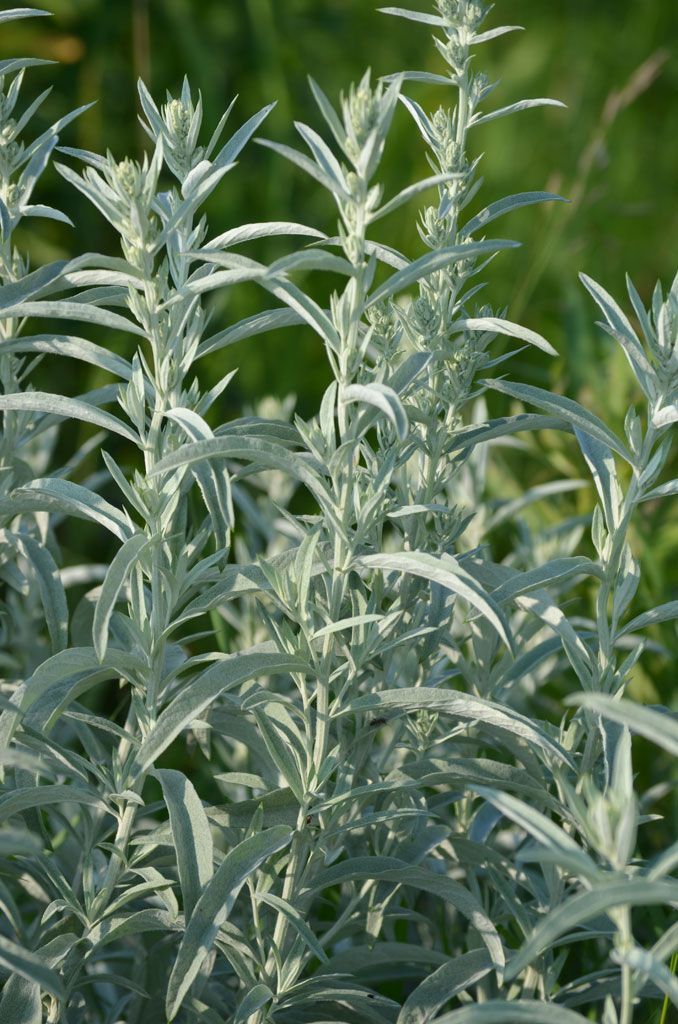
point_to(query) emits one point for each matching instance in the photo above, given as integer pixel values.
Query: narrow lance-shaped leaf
(558, 405)
(191, 834)
(47, 212)
(662, 613)
(495, 325)
(324, 157)
(31, 284)
(601, 463)
(460, 705)
(63, 496)
(79, 311)
(494, 33)
(444, 984)
(213, 481)
(115, 579)
(514, 1011)
(117, 927)
(198, 695)
(279, 743)
(424, 19)
(261, 453)
(297, 922)
(18, 63)
(409, 193)
(421, 76)
(502, 206)
(58, 672)
(239, 139)
(260, 323)
(449, 574)
(307, 309)
(554, 572)
(52, 594)
(16, 13)
(31, 966)
(256, 998)
(73, 348)
(383, 398)
(390, 869)
(549, 835)
(644, 963)
(265, 229)
(25, 798)
(586, 906)
(614, 315)
(328, 181)
(514, 108)
(469, 437)
(434, 261)
(661, 727)
(69, 408)
(507, 510)
(214, 906)
(667, 490)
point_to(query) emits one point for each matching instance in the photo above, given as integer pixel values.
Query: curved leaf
(514, 108)
(114, 581)
(495, 325)
(215, 905)
(198, 695)
(446, 571)
(502, 206)
(444, 984)
(661, 727)
(52, 593)
(584, 907)
(383, 398)
(53, 495)
(460, 705)
(515, 1011)
(432, 262)
(566, 408)
(30, 966)
(191, 834)
(68, 408)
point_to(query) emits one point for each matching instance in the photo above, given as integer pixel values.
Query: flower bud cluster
(181, 125)
(11, 150)
(610, 822)
(361, 110)
(386, 332)
(467, 13)
(663, 341)
(130, 187)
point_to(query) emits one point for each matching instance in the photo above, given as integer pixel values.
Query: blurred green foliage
(613, 152)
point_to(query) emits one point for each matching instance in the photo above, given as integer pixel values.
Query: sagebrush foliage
(421, 743)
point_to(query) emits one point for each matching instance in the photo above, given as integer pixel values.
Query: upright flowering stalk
(341, 602)
(166, 555)
(35, 596)
(420, 607)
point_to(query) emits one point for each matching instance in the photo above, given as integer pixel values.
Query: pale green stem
(159, 610)
(626, 939)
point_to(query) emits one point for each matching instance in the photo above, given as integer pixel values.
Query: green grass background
(625, 217)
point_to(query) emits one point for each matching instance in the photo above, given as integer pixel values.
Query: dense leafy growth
(401, 700)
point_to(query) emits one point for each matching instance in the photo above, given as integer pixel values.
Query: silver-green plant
(411, 826)
(34, 598)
